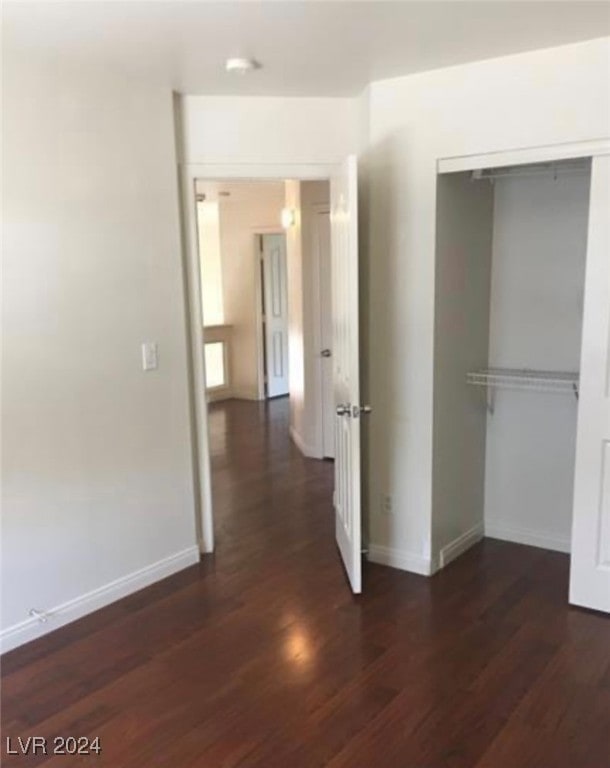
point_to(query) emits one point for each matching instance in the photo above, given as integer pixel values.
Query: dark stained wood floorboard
(259, 657)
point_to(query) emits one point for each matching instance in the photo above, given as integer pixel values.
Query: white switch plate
(150, 356)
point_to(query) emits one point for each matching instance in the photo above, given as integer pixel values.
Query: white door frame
(548, 153)
(189, 173)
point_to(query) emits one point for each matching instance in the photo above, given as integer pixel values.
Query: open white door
(275, 314)
(344, 249)
(590, 561)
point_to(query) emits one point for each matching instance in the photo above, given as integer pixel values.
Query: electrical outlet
(386, 504)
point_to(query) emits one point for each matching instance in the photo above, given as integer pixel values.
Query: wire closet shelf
(525, 379)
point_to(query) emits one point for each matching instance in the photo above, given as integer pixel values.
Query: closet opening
(509, 291)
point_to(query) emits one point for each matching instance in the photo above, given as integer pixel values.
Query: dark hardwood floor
(259, 656)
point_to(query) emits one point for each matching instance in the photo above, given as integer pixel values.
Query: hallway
(260, 656)
(268, 499)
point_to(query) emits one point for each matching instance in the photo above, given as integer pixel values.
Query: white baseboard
(460, 544)
(397, 558)
(244, 393)
(31, 628)
(307, 450)
(526, 536)
(218, 394)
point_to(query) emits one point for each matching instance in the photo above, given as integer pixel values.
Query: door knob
(344, 410)
(360, 410)
(326, 353)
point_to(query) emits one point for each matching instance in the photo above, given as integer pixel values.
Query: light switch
(150, 356)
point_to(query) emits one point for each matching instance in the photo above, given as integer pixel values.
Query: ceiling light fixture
(241, 65)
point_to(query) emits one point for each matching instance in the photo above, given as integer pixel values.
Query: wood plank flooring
(259, 656)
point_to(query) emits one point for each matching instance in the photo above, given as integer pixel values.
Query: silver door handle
(344, 410)
(326, 353)
(360, 410)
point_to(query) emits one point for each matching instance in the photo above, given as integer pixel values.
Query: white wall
(96, 458)
(208, 228)
(539, 250)
(296, 330)
(239, 222)
(228, 129)
(464, 224)
(544, 97)
(303, 286)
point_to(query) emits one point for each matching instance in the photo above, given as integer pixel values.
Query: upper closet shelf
(526, 379)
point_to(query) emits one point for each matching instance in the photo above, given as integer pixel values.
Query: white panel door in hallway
(346, 359)
(275, 314)
(590, 560)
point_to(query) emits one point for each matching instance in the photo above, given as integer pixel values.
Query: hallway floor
(260, 656)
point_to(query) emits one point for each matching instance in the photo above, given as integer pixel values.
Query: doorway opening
(342, 205)
(266, 284)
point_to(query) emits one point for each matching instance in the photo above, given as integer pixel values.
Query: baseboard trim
(242, 393)
(220, 394)
(305, 448)
(396, 558)
(460, 544)
(526, 536)
(65, 613)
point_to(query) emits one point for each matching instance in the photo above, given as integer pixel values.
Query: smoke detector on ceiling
(240, 65)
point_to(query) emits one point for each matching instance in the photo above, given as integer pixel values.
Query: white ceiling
(305, 48)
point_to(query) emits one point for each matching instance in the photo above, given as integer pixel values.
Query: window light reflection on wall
(288, 217)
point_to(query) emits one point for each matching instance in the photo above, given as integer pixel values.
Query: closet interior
(509, 289)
